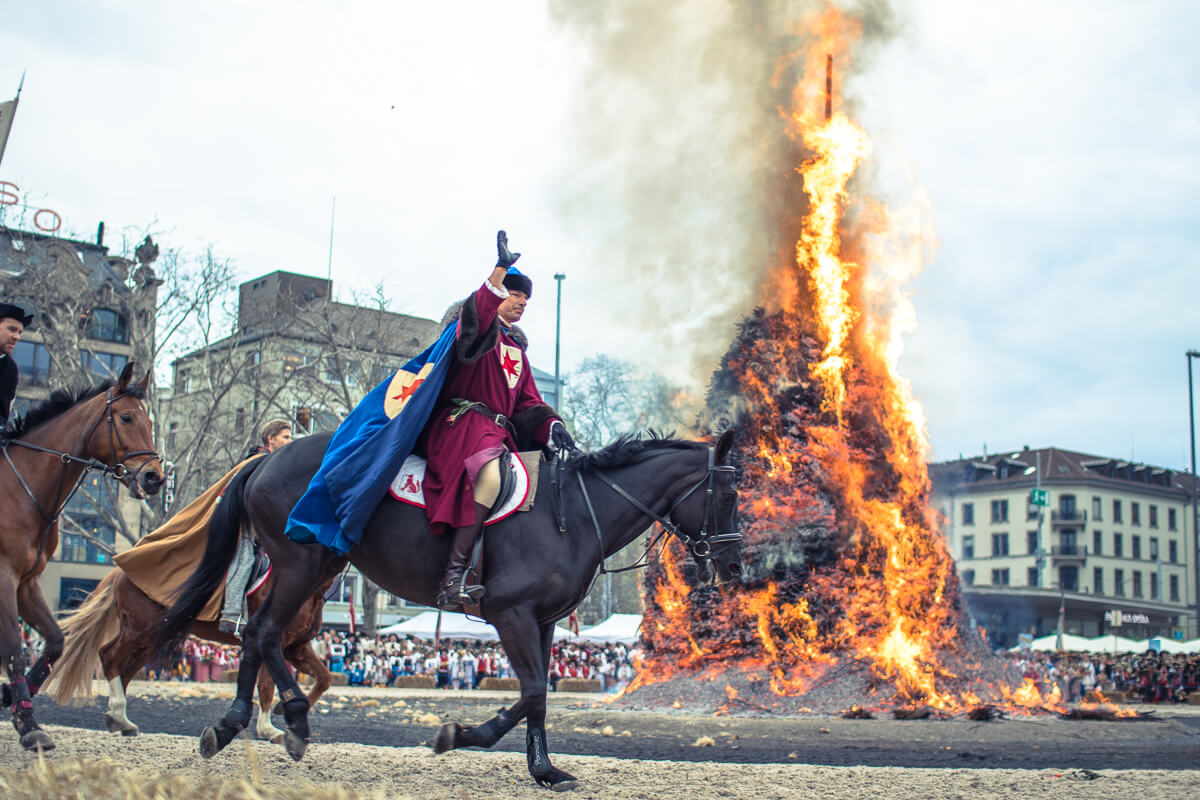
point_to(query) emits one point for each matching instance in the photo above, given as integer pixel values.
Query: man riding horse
(489, 384)
(13, 322)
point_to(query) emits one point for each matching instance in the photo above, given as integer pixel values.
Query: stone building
(1034, 531)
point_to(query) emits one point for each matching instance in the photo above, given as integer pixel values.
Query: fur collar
(455, 311)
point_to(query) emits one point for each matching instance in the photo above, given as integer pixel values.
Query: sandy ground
(414, 772)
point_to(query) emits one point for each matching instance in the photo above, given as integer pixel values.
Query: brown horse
(120, 623)
(46, 454)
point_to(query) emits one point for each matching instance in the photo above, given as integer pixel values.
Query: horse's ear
(126, 374)
(144, 383)
(724, 445)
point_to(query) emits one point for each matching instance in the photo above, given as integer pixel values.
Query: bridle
(701, 545)
(118, 470)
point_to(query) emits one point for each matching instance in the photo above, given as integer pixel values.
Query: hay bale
(1116, 697)
(578, 685)
(414, 682)
(1194, 699)
(338, 679)
(229, 676)
(500, 684)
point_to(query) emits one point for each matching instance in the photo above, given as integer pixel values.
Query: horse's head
(706, 516)
(123, 438)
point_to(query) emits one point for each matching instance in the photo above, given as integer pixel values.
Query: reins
(701, 546)
(117, 471)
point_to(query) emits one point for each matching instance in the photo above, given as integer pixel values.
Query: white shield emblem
(512, 361)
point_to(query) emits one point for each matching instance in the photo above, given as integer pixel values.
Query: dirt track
(377, 740)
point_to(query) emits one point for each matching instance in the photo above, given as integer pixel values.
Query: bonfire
(853, 603)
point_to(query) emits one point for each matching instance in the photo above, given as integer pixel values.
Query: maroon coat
(490, 367)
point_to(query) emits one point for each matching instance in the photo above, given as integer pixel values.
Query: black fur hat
(517, 281)
(8, 310)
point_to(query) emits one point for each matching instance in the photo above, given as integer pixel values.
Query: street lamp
(559, 277)
(1195, 489)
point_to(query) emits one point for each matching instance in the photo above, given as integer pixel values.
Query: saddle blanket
(407, 486)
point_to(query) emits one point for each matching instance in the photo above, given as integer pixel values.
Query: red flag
(573, 622)
(352, 613)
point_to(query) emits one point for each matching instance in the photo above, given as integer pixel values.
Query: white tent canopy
(454, 626)
(1112, 644)
(617, 628)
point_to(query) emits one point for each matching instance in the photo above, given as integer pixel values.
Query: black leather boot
(454, 592)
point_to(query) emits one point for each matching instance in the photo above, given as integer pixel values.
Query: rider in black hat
(13, 321)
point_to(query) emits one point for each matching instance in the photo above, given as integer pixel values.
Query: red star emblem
(407, 391)
(510, 365)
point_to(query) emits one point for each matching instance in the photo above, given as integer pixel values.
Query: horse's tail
(88, 628)
(224, 528)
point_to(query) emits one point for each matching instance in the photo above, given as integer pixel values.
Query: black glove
(504, 258)
(559, 438)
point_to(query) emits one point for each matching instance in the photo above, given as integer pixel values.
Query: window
(33, 360)
(1154, 586)
(968, 547)
(1097, 509)
(999, 545)
(1137, 583)
(1135, 550)
(107, 325)
(1154, 548)
(73, 591)
(104, 366)
(1171, 524)
(1135, 514)
(1031, 542)
(1117, 511)
(999, 511)
(1032, 579)
(968, 577)
(1069, 546)
(1119, 582)
(1097, 581)
(1173, 583)
(1097, 538)
(1153, 510)
(1000, 577)
(172, 435)
(303, 421)
(1068, 578)
(968, 517)
(1172, 552)
(239, 421)
(1066, 506)
(1118, 546)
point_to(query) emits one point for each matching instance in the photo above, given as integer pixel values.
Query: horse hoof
(118, 726)
(557, 780)
(447, 738)
(37, 739)
(209, 744)
(294, 745)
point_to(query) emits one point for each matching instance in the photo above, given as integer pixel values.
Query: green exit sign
(1039, 497)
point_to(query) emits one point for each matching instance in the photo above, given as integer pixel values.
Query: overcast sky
(1050, 148)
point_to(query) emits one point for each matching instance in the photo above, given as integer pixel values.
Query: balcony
(1068, 518)
(1069, 554)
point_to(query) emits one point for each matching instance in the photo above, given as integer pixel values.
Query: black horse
(535, 574)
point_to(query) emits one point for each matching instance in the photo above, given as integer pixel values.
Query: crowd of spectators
(462, 664)
(1149, 677)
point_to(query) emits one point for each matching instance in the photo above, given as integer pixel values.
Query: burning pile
(853, 598)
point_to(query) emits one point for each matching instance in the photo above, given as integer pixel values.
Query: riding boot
(454, 591)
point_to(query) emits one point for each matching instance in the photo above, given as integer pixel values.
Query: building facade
(1042, 533)
(94, 313)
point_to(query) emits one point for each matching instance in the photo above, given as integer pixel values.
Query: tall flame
(839, 446)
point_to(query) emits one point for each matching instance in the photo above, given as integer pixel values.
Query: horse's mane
(59, 401)
(629, 449)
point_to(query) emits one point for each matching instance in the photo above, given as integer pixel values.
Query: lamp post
(1195, 489)
(559, 277)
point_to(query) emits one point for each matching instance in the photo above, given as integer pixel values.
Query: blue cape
(368, 449)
